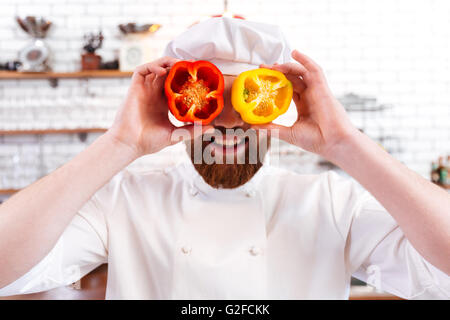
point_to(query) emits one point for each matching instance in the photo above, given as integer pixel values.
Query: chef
(229, 231)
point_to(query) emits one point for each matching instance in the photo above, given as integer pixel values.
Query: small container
(137, 47)
(90, 61)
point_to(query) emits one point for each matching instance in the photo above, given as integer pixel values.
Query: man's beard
(230, 175)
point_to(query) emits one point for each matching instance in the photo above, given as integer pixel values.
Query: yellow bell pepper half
(261, 95)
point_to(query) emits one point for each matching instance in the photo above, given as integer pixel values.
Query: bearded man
(226, 230)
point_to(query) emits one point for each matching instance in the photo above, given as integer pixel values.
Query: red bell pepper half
(194, 91)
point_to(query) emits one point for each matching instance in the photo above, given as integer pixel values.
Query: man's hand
(322, 122)
(142, 123)
(419, 207)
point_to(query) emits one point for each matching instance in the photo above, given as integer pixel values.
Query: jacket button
(250, 193)
(193, 191)
(186, 249)
(255, 251)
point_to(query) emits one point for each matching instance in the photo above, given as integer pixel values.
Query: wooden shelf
(368, 293)
(65, 75)
(51, 131)
(8, 191)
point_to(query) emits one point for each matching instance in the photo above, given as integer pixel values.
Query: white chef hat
(233, 45)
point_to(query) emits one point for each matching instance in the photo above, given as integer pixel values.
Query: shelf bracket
(53, 82)
(82, 136)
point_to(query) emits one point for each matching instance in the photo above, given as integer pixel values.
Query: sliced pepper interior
(261, 95)
(194, 91)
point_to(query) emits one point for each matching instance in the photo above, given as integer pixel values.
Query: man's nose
(228, 118)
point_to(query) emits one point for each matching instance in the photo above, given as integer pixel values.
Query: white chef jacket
(166, 234)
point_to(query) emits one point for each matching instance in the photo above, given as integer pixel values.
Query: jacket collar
(198, 185)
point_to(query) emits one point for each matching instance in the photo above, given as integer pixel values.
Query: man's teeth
(228, 142)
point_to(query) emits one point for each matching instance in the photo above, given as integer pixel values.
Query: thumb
(276, 131)
(158, 83)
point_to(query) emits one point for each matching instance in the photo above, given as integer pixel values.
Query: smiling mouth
(227, 144)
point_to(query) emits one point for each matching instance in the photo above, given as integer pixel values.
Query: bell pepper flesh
(194, 91)
(261, 95)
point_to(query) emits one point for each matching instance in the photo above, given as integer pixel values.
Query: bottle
(442, 171)
(434, 172)
(447, 168)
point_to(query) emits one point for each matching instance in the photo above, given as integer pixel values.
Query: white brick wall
(395, 50)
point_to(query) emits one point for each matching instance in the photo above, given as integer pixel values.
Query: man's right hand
(32, 221)
(142, 123)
